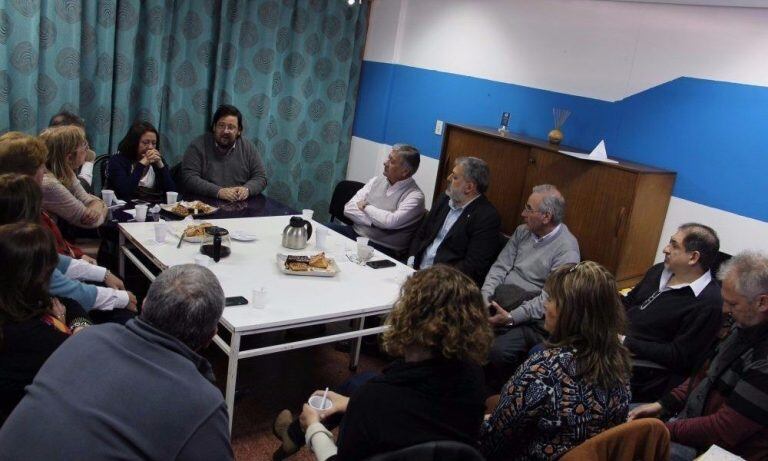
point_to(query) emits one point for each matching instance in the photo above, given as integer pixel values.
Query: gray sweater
(204, 170)
(526, 264)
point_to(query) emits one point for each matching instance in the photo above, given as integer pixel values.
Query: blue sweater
(63, 287)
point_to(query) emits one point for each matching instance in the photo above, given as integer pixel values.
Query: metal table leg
(120, 256)
(229, 396)
(354, 351)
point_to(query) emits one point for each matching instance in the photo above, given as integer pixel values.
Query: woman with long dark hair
(138, 171)
(32, 324)
(575, 388)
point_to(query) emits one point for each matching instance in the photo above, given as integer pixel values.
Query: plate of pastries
(317, 265)
(194, 208)
(194, 233)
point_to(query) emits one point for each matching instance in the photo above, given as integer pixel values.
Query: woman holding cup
(434, 391)
(63, 196)
(138, 171)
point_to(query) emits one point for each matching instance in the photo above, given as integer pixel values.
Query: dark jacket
(128, 392)
(412, 403)
(124, 174)
(471, 245)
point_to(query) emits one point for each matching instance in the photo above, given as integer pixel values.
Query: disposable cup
(108, 195)
(259, 298)
(141, 212)
(171, 197)
(307, 214)
(160, 231)
(362, 241)
(321, 237)
(316, 402)
(364, 253)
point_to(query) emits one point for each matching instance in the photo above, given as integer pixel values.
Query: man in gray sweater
(513, 285)
(221, 163)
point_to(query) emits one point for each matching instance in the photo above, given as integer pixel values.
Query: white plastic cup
(316, 402)
(362, 241)
(364, 253)
(141, 212)
(108, 195)
(202, 260)
(259, 298)
(171, 197)
(307, 214)
(160, 231)
(321, 237)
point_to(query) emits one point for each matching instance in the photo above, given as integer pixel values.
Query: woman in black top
(439, 328)
(138, 171)
(32, 324)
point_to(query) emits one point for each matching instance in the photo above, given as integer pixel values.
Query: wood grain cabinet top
(616, 210)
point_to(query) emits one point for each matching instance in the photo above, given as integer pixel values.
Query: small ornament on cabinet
(560, 116)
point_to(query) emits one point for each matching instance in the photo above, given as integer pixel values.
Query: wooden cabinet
(615, 210)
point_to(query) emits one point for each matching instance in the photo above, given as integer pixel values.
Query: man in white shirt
(389, 208)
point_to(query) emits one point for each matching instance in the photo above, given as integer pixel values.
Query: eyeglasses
(226, 127)
(529, 209)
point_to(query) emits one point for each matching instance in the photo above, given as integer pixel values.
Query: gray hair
(751, 271)
(476, 170)
(552, 202)
(185, 302)
(410, 156)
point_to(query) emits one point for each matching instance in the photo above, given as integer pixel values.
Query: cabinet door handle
(532, 160)
(620, 221)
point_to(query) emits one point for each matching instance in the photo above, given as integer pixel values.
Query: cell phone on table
(235, 301)
(380, 264)
(137, 201)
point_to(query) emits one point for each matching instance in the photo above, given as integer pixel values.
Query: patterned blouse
(544, 410)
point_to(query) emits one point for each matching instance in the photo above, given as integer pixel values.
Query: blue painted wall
(713, 134)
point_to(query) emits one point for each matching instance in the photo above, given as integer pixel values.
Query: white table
(292, 301)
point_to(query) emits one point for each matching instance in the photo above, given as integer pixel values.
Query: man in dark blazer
(462, 230)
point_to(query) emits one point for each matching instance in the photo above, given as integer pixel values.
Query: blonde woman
(63, 196)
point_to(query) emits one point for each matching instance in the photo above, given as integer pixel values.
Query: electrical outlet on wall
(439, 127)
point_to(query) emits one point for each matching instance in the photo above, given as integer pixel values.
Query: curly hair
(440, 310)
(62, 141)
(590, 317)
(21, 153)
(31, 251)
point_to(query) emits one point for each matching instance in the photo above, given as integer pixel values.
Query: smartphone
(380, 264)
(235, 301)
(140, 202)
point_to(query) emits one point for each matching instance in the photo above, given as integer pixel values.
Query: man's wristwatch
(510, 320)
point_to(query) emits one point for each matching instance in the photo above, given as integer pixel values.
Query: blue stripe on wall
(713, 134)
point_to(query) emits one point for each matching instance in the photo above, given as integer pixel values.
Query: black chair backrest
(100, 164)
(344, 191)
(444, 450)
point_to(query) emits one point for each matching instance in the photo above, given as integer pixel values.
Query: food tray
(331, 271)
(170, 209)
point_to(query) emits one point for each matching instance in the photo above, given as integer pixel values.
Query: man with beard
(514, 283)
(462, 230)
(221, 164)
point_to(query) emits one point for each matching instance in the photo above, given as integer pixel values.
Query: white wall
(597, 49)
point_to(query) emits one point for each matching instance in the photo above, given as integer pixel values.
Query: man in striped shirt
(728, 405)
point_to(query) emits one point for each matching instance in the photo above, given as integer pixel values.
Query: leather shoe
(280, 430)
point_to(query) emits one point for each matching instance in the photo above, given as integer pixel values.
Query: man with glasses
(726, 405)
(674, 313)
(513, 285)
(221, 163)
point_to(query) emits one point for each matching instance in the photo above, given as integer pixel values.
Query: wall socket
(439, 127)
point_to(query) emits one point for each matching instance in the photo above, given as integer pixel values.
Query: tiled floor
(269, 384)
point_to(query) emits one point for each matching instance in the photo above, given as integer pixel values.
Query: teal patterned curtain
(291, 66)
